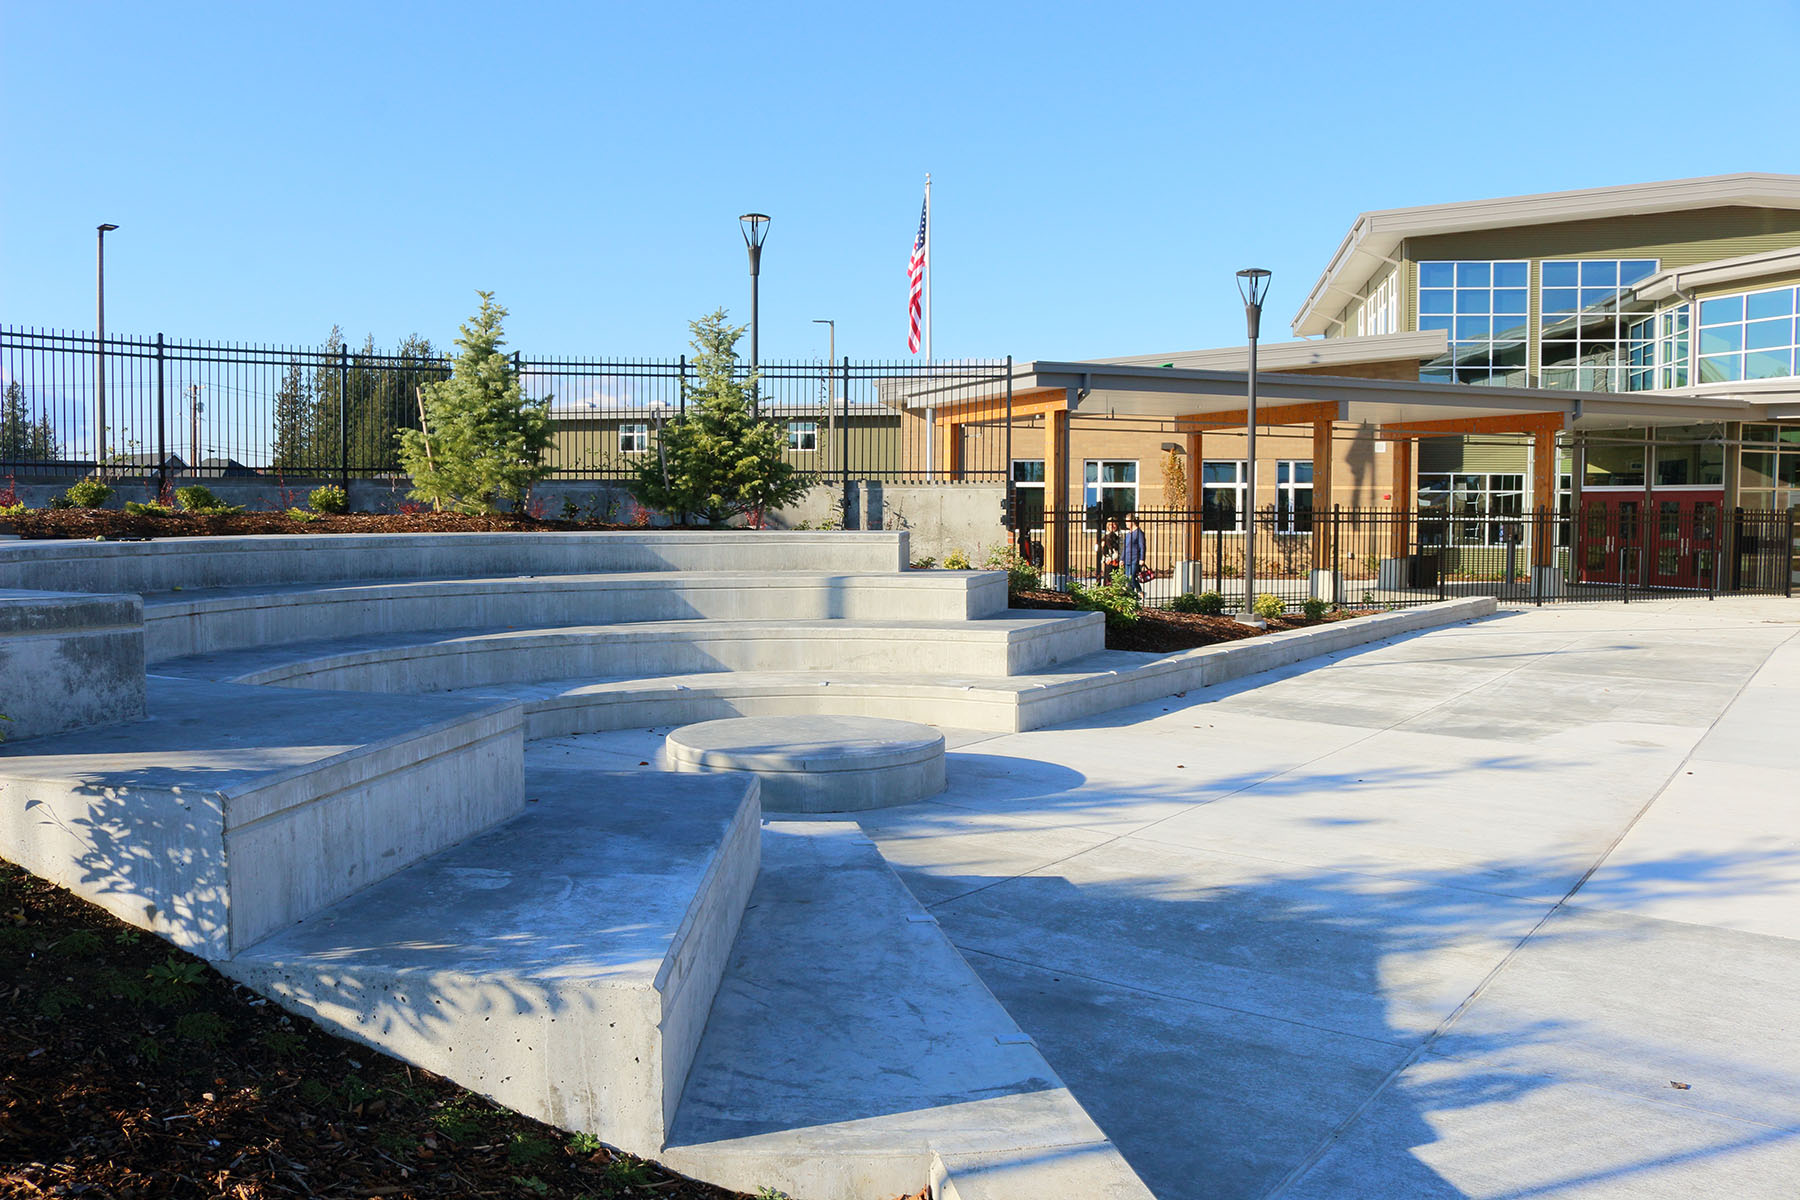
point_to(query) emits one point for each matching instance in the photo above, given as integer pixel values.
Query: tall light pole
(756, 229)
(830, 410)
(1253, 286)
(100, 347)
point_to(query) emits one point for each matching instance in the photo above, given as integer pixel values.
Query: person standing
(1106, 552)
(1132, 552)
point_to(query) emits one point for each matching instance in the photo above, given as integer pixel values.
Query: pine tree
(482, 441)
(718, 459)
(293, 423)
(21, 437)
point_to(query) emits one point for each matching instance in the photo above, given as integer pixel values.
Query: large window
(1659, 351)
(1294, 495)
(1483, 307)
(1748, 336)
(1770, 467)
(634, 438)
(1111, 486)
(1583, 339)
(1483, 509)
(1221, 493)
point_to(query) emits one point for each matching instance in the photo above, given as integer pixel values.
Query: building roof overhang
(1173, 394)
(1375, 236)
(1291, 356)
(1666, 285)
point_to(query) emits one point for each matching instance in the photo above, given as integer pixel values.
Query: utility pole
(194, 407)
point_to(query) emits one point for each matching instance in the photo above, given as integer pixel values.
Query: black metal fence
(1383, 558)
(186, 408)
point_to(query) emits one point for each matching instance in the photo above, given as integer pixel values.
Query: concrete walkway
(1510, 909)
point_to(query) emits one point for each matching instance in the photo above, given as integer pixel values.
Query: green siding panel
(1472, 455)
(1678, 239)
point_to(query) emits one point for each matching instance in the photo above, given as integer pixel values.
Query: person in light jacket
(1132, 553)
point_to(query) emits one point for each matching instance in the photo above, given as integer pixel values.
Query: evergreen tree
(482, 441)
(21, 437)
(293, 423)
(718, 459)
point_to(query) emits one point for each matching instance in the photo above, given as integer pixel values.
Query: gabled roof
(1374, 236)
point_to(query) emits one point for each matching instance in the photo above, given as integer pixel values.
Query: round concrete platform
(817, 764)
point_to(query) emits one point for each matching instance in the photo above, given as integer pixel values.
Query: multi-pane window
(1658, 351)
(1111, 485)
(802, 435)
(1380, 313)
(1482, 306)
(634, 438)
(1294, 495)
(1583, 337)
(1221, 493)
(1769, 476)
(1028, 491)
(1749, 336)
(1483, 509)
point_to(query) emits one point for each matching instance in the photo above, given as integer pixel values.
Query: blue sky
(1100, 171)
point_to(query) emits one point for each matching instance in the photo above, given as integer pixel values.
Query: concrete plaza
(1507, 909)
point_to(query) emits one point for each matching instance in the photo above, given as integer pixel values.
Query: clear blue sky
(1100, 170)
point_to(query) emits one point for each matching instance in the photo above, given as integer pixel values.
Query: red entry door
(1672, 544)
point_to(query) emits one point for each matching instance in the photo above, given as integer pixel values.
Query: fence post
(1337, 555)
(1787, 558)
(844, 429)
(681, 385)
(344, 418)
(162, 444)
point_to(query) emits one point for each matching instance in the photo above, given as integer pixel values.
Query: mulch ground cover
(130, 1070)
(111, 524)
(1163, 632)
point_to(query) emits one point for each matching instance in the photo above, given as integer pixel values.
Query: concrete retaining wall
(69, 662)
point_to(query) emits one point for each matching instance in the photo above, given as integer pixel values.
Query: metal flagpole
(930, 410)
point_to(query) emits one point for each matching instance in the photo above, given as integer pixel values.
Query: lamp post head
(106, 228)
(756, 228)
(1253, 285)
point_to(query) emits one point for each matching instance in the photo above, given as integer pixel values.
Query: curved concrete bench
(818, 764)
(180, 624)
(189, 563)
(996, 646)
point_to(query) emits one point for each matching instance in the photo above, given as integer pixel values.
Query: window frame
(797, 430)
(638, 431)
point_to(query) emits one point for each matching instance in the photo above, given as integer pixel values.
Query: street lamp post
(830, 409)
(100, 347)
(756, 229)
(1253, 286)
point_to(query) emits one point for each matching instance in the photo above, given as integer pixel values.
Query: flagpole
(930, 411)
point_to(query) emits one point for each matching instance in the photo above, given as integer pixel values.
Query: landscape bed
(1164, 631)
(129, 1068)
(110, 523)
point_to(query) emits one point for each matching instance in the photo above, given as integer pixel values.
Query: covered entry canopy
(1192, 402)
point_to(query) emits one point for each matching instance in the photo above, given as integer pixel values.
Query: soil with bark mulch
(92, 523)
(130, 1070)
(1163, 632)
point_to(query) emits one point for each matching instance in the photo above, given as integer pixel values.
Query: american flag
(915, 274)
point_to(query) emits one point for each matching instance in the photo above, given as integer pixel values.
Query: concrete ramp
(561, 964)
(852, 1053)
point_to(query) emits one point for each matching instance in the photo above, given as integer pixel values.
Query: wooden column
(954, 457)
(1322, 549)
(1403, 496)
(1056, 490)
(1195, 478)
(1543, 491)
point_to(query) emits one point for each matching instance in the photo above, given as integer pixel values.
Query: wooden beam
(955, 448)
(1056, 490)
(1266, 414)
(1543, 495)
(1321, 465)
(1401, 490)
(1530, 423)
(993, 408)
(1196, 537)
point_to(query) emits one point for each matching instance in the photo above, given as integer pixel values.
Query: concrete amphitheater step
(852, 1053)
(445, 661)
(230, 811)
(179, 624)
(562, 964)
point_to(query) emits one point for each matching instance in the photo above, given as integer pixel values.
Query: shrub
(956, 560)
(1268, 606)
(88, 493)
(1021, 576)
(1114, 598)
(1315, 609)
(1211, 604)
(302, 515)
(61, 502)
(197, 498)
(328, 499)
(923, 564)
(1187, 602)
(148, 508)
